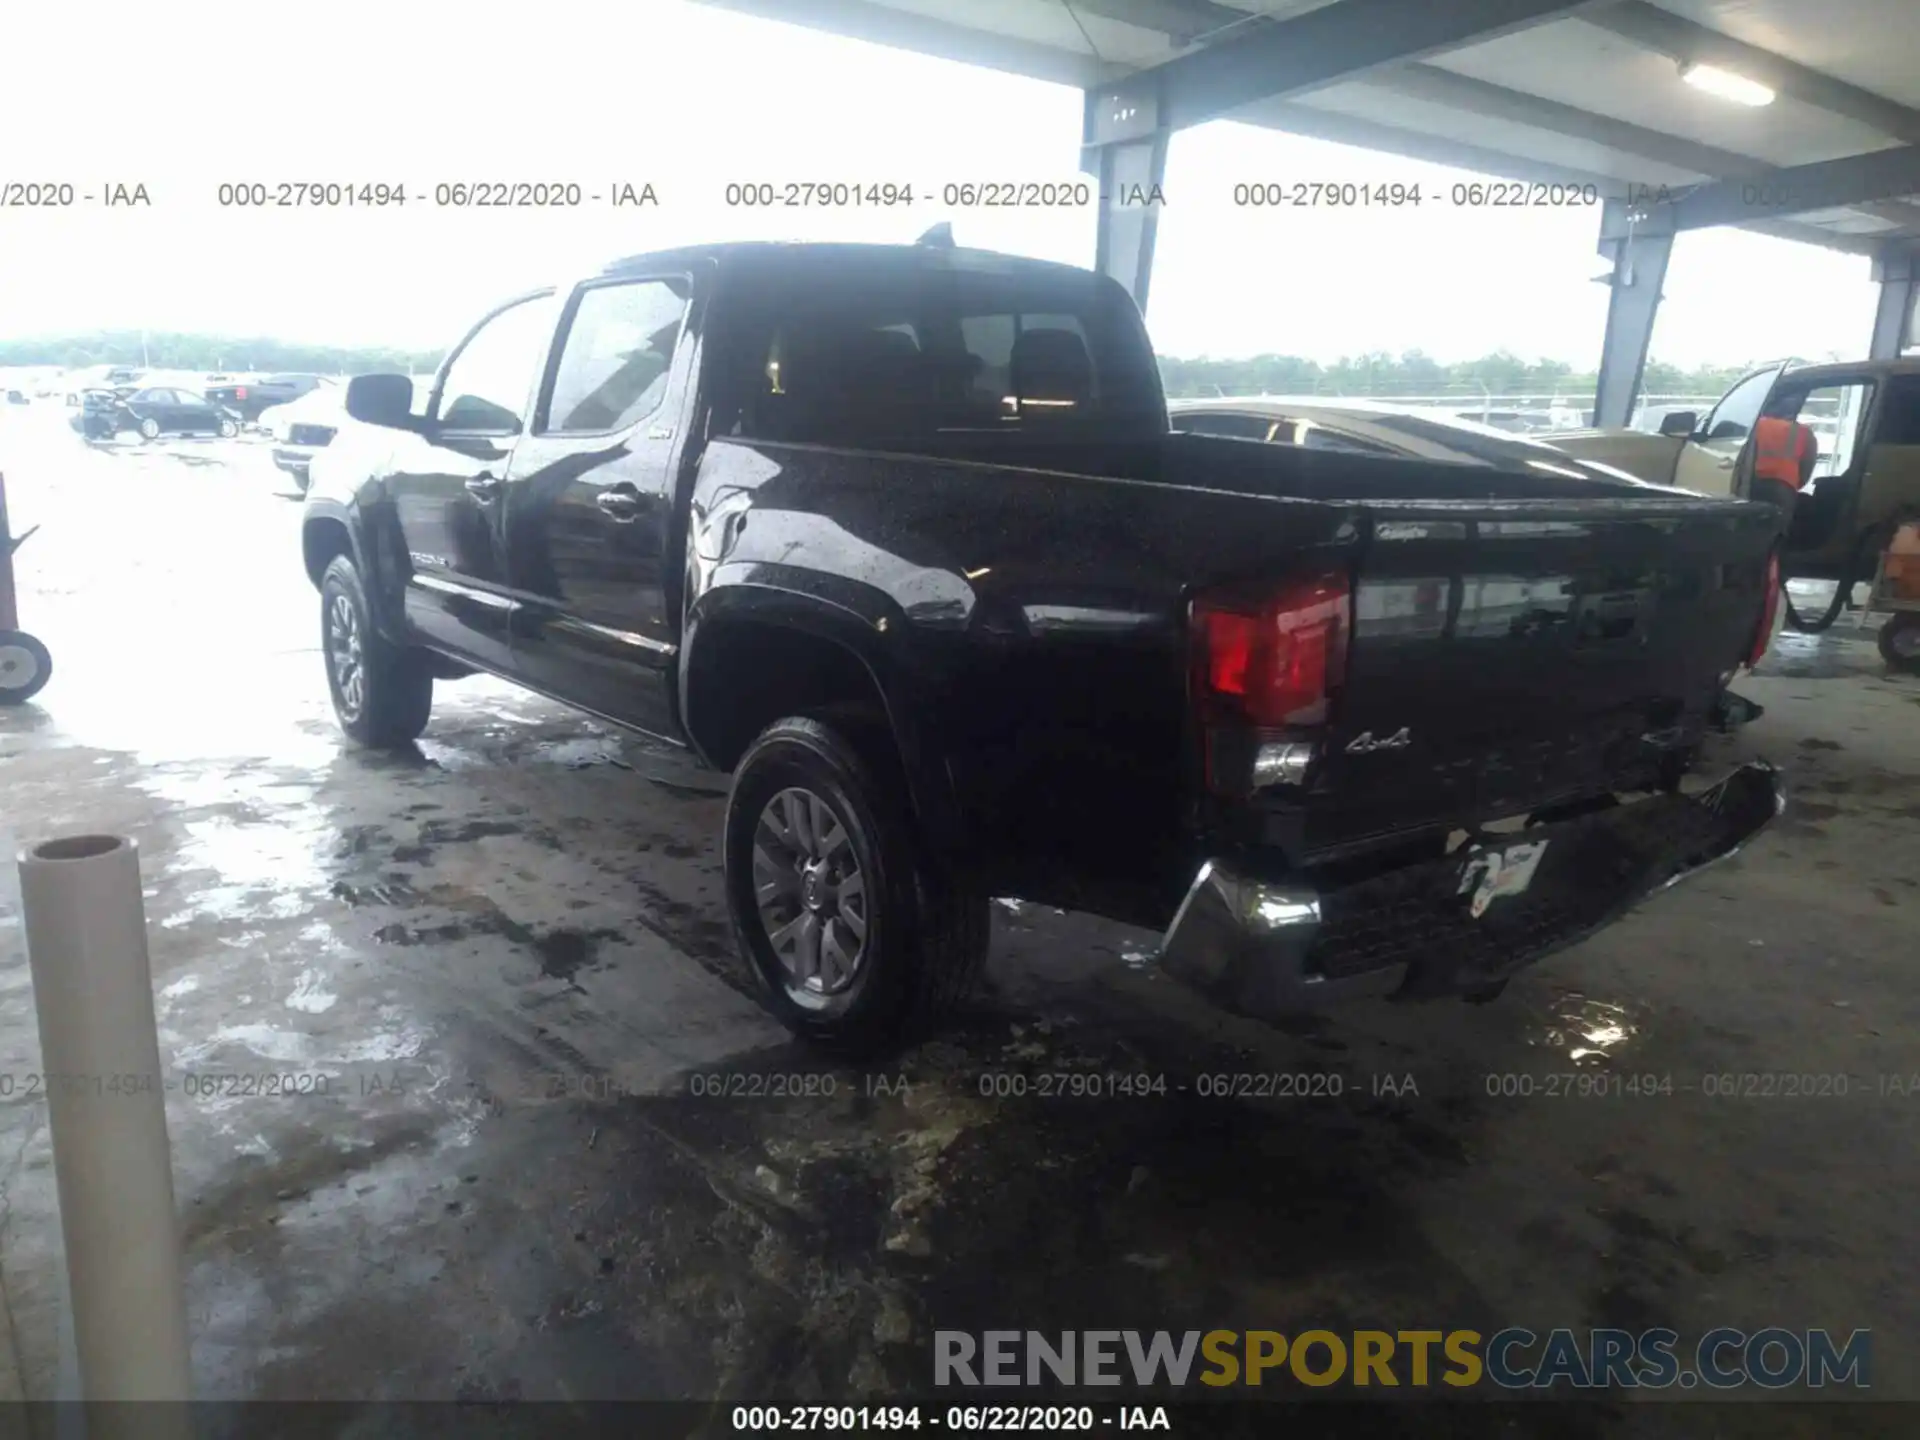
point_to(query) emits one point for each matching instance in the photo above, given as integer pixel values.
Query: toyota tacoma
(901, 537)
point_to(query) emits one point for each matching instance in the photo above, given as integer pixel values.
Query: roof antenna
(939, 237)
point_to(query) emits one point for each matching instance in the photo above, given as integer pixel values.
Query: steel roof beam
(1497, 102)
(1343, 129)
(1799, 189)
(1182, 20)
(1669, 34)
(1322, 47)
(879, 24)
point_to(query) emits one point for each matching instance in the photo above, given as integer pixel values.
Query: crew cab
(901, 537)
(1865, 416)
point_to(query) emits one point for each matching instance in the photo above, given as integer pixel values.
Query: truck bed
(1542, 640)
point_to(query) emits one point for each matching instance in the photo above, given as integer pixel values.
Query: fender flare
(869, 626)
(373, 541)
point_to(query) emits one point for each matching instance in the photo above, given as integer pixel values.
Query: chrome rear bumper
(1265, 948)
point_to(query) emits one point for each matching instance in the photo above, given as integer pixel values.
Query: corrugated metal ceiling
(1597, 94)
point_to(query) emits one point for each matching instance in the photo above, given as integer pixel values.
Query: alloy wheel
(346, 654)
(810, 891)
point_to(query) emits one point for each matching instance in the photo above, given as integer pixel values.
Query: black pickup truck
(901, 537)
(250, 399)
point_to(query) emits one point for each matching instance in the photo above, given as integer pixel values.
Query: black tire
(389, 707)
(149, 429)
(228, 429)
(926, 931)
(25, 667)
(1900, 641)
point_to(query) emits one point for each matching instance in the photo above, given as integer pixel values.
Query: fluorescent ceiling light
(1726, 84)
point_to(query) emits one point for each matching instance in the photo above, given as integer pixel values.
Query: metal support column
(1897, 269)
(1638, 239)
(1124, 147)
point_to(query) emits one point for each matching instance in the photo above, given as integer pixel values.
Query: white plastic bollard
(106, 1106)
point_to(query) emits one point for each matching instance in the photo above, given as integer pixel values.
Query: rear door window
(1239, 427)
(616, 355)
(1310, 436)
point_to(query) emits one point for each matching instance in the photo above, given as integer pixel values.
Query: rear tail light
(1264, 668)
(1763, 637)
(1275, 659)
(239, 392)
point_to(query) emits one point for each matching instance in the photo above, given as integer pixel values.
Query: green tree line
(1416, 373)
(167, 350)
(1410, 373)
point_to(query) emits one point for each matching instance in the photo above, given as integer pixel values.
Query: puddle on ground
(1840, 651)
(1590, 1031)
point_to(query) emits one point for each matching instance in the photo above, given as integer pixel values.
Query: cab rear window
(930, 351)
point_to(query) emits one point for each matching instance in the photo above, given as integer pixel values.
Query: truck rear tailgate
(1509, 655)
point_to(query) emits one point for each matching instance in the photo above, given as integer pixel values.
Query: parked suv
(1865, 416)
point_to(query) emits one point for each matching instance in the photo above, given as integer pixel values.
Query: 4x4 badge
(1364, 743)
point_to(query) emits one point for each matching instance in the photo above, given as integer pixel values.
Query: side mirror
(381, 400)
(1679, 424)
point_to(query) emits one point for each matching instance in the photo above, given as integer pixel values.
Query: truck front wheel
(382, 693)
(859, 940)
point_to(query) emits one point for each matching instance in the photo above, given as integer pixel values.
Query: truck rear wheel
(1900, 641)
(382, 693)
(859, 940)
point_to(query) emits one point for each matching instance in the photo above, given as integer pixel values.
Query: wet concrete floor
(492, 986)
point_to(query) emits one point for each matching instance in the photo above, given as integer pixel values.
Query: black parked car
(151, 412)
(97, 411)
(250, 399)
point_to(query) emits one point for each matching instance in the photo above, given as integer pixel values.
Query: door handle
(621, 502)
(483, 486)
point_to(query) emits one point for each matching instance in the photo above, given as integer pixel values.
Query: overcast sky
(689, 98)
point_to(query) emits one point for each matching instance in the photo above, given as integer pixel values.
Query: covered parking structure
(534, 1136)
(1583, 92)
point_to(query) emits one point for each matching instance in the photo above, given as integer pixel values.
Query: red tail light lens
(239, 392)
(1764, 636)
(1274, 660)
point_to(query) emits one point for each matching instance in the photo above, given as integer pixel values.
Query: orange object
(1783, 450)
